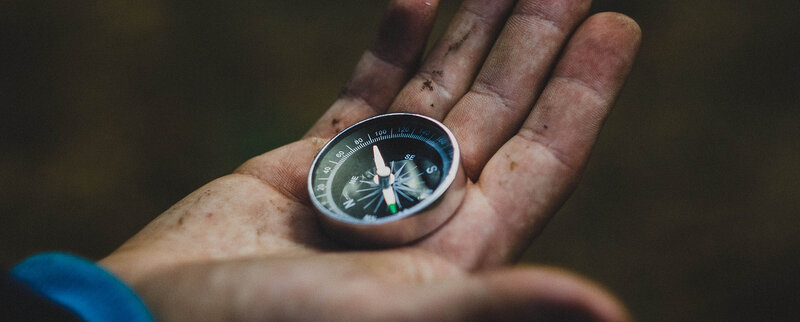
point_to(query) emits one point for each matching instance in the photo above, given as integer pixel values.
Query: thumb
(525, 294)
(546, 294)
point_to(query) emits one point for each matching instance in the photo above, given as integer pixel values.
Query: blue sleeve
(18, 302)
(82, 287)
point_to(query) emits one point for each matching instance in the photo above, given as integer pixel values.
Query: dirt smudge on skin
(427, 85)
(456, 45)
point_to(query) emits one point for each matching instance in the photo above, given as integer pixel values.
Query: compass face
(384, 168)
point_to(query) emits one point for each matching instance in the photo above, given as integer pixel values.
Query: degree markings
(386, 137)
(427, 140)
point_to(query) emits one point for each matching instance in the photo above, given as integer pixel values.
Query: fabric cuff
(81, 286)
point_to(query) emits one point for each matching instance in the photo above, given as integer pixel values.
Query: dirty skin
(427, 85)
(181, 218)
(456, 45)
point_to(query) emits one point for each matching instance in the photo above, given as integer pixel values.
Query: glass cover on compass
(416, 152)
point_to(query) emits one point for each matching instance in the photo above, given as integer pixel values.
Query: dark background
(113, 110)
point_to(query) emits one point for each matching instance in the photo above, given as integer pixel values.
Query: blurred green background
(113, 110)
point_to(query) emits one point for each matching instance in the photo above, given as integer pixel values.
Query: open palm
(524, 86)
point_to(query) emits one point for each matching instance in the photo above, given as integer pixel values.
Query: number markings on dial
(402, 191)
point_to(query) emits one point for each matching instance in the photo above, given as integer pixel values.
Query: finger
(546, 294)
(535, 171)
(383, 68)
(531, 294)
(511, 78)
(452, 63)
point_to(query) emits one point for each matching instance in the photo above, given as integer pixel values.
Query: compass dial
(384, 169)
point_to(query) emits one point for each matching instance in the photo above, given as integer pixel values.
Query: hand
(524, 87)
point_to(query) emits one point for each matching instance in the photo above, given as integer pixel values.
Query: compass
(387, 180)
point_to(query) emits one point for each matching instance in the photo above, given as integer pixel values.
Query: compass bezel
(408, 225)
